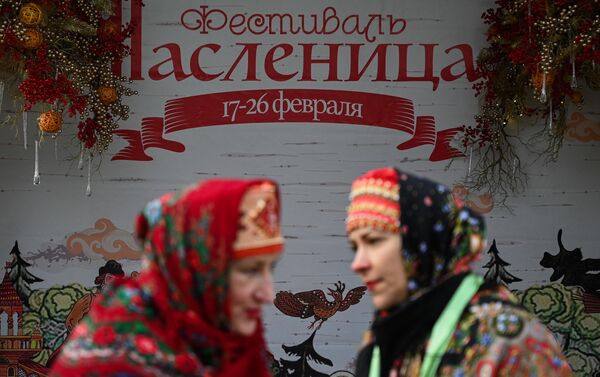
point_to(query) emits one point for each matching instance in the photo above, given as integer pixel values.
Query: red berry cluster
(87, 132)
(41, 85)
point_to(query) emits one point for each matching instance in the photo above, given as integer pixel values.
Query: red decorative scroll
(285, 106)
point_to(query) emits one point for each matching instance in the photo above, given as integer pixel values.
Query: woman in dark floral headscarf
(413, 247)
(195, 309)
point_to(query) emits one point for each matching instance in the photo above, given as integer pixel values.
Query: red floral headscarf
(173, 319)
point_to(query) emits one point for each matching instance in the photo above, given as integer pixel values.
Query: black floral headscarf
(440, 236)
(440, 239)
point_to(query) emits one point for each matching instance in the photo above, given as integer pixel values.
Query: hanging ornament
(573, 77)
(550, 117)
(33, 39)
(36, 170)
(50, 122)
(1, 93)
(108, 29)
(541, 81)
(470, 161)
(24, 115)
(107, 94)
(88, 189)
(31, 14)
(80, 164)
(55, 138)
(543, 90)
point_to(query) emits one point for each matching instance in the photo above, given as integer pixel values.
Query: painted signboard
(311, 94)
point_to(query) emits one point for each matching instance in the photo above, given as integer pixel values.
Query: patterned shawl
(173, 319)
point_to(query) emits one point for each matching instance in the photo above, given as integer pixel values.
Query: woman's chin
(245, 329)
(383, 303)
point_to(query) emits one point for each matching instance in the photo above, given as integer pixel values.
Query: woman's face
(378, 262)
(250, 287)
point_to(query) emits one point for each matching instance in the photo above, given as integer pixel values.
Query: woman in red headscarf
(195, 308)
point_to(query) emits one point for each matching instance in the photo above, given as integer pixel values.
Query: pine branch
(103, 6)
(78, 26)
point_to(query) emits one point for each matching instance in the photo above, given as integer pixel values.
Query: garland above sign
(539, 54)
(62, 53)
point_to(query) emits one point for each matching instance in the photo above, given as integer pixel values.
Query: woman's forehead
(258, 259)
(365, 231)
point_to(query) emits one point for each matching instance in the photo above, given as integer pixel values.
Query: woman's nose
(266, 294)
(360, 264)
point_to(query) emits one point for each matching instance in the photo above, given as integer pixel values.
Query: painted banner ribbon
(284, 106)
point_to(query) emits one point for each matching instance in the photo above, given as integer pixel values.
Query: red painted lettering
(403, 64)
(174, 58)
(467, 61)
(308, 61)
(250, 51)
(195, 66)
(380, 53)
(270, 61)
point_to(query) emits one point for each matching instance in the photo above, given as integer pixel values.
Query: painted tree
(20, 276)
(301, 367)
(496, 268)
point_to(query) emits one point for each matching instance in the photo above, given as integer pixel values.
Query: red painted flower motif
(145, 344)
(186, 364)
(104, 336)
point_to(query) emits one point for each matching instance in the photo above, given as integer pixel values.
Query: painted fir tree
(301, 367)
(20, 276)
(496, 268)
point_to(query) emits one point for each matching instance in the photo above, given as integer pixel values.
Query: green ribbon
(375, 367)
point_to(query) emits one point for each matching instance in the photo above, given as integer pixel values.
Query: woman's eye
(251, 271)
(353, 247)
(373, 240)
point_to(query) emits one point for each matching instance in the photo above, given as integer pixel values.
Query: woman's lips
(253, 313)
(371, 284)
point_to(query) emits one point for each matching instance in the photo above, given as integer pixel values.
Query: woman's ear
(476, 243)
